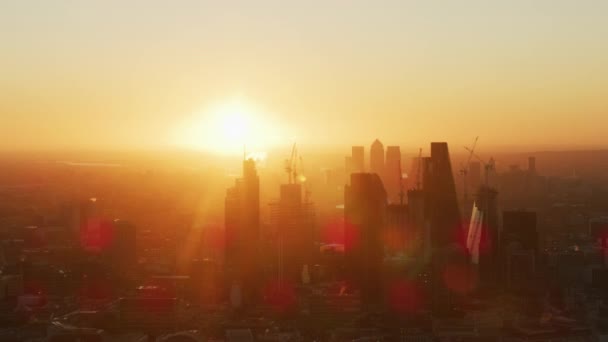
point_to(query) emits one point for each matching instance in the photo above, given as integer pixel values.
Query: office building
(442, 202)
(376, 158)
(242, 225)
(293, 221)
(364, 214)
(488, 253)
(393, 181)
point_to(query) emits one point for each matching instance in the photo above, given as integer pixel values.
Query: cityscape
(485, 252)
(239, 171)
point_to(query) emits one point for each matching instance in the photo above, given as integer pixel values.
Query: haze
(116, 74)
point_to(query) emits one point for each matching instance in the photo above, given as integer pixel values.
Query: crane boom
(290, 165)
(487, 166)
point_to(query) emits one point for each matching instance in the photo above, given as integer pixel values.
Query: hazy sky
(130, 73)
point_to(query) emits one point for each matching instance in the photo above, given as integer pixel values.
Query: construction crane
(465, 170)
(291, 165)
(303, 180)
(487, 166)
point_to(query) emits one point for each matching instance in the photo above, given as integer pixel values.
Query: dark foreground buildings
(364, 212)
(242, 220)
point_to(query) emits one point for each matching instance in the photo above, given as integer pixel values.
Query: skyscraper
(242, 224)
(358, 159)
(442, 202)
(447, 238)
(293, 220)
(364, 213)
(393, 174)
(376, 158)
(486, 200)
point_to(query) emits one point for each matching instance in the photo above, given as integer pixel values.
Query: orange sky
(133, 74)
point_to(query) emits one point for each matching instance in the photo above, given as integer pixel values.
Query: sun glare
(229, 129)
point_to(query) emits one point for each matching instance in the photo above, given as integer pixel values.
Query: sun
(229, 128)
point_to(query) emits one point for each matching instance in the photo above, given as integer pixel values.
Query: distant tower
(376, 158)
(242, 222)
(364, 213)
(358, 159)
(392, 178)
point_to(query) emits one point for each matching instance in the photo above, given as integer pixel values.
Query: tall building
(447, 238)
(364, 213)
(358, 159)
(398, 233)
(376, 158)
(242, 224)
(442, 202)
(393, 175)
(420, 223)
(293, 222)
(489, 265)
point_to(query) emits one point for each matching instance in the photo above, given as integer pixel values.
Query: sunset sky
(139, 74)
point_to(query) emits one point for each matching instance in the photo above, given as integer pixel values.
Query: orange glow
(230, 128)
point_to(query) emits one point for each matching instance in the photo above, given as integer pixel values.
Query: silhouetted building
(442, 202)
(447, 236)
(358, 159)
(489, 265)
(376, 158)
(393, 175)
(420, 223)
(242, 222)
(364, 213)
(293, 221)
(398, 234)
